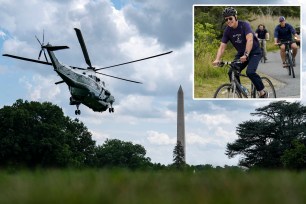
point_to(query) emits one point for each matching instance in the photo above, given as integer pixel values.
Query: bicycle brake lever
(221, 64)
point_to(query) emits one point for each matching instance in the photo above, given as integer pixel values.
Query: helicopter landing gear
(111, 110)
(77, 111)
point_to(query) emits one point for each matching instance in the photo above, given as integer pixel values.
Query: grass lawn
(122, 186)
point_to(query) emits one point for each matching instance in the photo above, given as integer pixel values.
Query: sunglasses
(228, 19)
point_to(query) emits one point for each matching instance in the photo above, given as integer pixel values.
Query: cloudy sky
(116, 31)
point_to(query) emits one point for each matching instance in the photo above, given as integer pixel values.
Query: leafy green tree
(205, 39)
(178, 156)
(36, 134)
(117, 153)
(295, 158)
(263, 142)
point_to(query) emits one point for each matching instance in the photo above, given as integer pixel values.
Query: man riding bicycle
(262, 34)
(283, 32)
(240, 34)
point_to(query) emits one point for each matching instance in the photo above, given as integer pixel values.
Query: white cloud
(210, 119)
(192, 138)
(40, 88)
(99, 137)
(136, 105)
(160, 138)
(2, 35)
(225, 135)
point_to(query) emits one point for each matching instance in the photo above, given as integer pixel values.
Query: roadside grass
(208, 87)
(123, 186)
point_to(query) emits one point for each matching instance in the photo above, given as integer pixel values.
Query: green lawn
(122, 186)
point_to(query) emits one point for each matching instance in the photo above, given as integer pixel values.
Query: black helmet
(230, 11)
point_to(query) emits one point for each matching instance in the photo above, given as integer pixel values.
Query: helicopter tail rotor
(42, 47)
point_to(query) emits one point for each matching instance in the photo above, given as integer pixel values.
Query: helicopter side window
(107, 93)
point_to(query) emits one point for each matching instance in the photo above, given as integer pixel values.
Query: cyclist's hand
(243, 59)
(277, 44)
(216, 63)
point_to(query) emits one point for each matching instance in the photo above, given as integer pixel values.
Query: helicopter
(84, 85)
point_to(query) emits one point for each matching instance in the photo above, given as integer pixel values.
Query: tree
(263, 142)
(36, 134)
(295, 158)
(117, 153)
(178, 156)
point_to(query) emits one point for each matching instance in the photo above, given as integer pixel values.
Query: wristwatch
(246, 54)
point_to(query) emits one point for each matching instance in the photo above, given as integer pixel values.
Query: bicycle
(289, 56)
(235, 90)
(261, 43)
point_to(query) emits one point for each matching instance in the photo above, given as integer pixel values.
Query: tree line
(38, 135)
(34, 134)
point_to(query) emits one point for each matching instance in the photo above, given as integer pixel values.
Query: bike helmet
(230, 11)
(281, 19)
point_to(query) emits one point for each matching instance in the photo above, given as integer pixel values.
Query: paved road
(286, 86)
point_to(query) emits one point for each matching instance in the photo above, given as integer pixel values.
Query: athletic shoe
(265, 95)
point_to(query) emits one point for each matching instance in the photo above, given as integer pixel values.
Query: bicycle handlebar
(222, 63)
(286, 42)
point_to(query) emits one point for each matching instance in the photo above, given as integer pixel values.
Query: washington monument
(181, 120)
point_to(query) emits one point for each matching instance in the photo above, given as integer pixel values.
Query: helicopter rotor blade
(37, 61)
(120, 78)
(45, 56)
(38, 40)
(43, 36)
(27, 59)
(135, 61)
(40, 54)
(83, 46)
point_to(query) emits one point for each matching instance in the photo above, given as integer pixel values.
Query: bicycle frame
(261, 44)
(288, 48)
(289, 56)
(234, 82)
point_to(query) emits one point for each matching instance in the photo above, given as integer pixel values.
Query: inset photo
(243, 52)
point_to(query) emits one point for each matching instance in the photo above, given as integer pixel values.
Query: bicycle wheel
(263, 60)
(288, 64)
(269, 88)
(254, 93)
(291, 64)
(226, 91)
